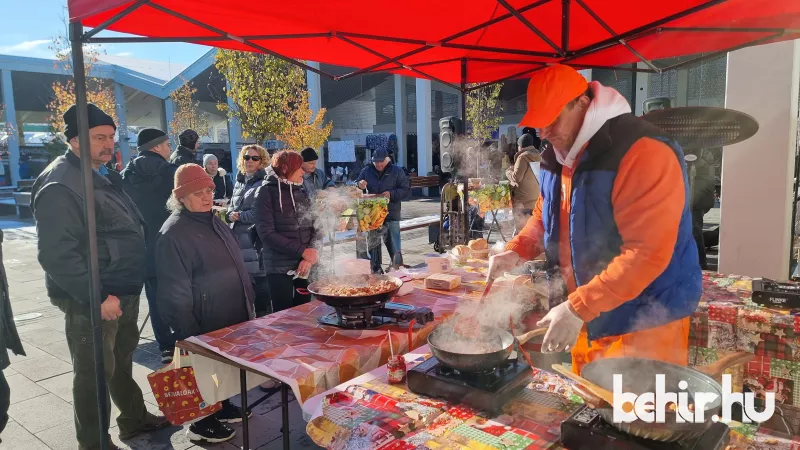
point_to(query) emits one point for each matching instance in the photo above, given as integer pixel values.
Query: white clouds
(124, 54)
(26, 48)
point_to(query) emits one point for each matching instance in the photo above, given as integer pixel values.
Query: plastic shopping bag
(176, 392)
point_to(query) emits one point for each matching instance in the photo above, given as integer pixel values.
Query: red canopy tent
(453, 42)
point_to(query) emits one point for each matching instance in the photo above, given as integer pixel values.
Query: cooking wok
(639, 375)
(500, 341)
(338, 301)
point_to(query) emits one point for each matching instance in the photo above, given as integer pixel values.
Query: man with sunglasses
(613, 219)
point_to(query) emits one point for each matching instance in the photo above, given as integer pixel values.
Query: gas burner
(585, 430)
(487, 391)
(373, 316)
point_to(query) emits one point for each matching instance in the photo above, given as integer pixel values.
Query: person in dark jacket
(148, 182)
(203, 282)
(24, 167)
(702, 202)
(57, 204)
(223, 187)
(185, 153)
(251, 163)
(286, 230)
(314, 179)
(9, 340)
(385, 179)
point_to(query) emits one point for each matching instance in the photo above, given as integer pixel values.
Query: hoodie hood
(607, 104)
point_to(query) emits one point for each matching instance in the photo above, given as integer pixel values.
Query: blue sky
(30, 24)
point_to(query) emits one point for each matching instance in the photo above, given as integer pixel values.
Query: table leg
(245, 424)
(285, 414)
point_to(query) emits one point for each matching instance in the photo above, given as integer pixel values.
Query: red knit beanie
(286, 162)
(190, 178)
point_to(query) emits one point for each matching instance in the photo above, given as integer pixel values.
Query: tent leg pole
(79, 71)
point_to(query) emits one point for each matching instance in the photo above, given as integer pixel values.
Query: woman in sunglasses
(251, 164)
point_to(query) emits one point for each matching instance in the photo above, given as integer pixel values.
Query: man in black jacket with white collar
(148, 181)
(57, 203)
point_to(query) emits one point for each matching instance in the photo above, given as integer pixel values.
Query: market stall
(368, 412)
(455, 43)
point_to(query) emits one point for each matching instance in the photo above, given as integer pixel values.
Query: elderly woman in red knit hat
(285, 228)
(203, 282)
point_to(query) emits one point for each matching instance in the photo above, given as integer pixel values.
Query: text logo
(652, 407)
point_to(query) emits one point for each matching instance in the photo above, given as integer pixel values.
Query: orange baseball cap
(549, 90)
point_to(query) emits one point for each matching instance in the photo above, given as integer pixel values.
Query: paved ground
(41, 397)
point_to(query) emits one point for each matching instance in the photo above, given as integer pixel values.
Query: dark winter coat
(148, 181)
(223, 186)
(244, 194)
(183, 155)
(203, 284)
(9, 339)
(284, 225)
(392, 180)
(57, 204)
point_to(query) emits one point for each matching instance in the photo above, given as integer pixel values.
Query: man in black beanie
(313, 179)
(57, 199)
(185, 153)
(149, 180)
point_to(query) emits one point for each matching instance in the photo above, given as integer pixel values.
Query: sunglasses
(251, 158)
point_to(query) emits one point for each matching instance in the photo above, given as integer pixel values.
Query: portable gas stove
(372, 316)
(585, 430)
(486, 391)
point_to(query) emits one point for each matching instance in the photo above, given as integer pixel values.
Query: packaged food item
(442, 281)
(372, 212)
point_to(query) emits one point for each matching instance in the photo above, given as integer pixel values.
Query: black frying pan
(462, 353)
(352, 280)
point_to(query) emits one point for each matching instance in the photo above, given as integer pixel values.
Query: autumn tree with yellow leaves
(186, 111)
(258, 85)
(97, 91)
(303, 128)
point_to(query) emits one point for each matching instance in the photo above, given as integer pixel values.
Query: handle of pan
(591, 400)
(598, 391)
(531, 334)
(302, 291)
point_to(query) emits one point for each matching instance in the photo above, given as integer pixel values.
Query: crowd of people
(207, 251)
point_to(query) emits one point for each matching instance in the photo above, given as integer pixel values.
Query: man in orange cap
(614, 223)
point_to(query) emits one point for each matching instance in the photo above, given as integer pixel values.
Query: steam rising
(473, 161)
(505, 304)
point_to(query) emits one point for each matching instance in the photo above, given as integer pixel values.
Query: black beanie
(188, 138)
(96, 118)
(309, 154)
(149, 138)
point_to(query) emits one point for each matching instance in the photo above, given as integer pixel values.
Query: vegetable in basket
(372, 212)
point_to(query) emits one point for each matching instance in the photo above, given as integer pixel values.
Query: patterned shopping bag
(175, 390)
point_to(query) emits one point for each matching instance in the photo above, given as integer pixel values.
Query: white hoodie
(607, 104)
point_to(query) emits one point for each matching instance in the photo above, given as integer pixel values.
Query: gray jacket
(317, 181)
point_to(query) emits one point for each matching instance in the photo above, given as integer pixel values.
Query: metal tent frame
(560, 54)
